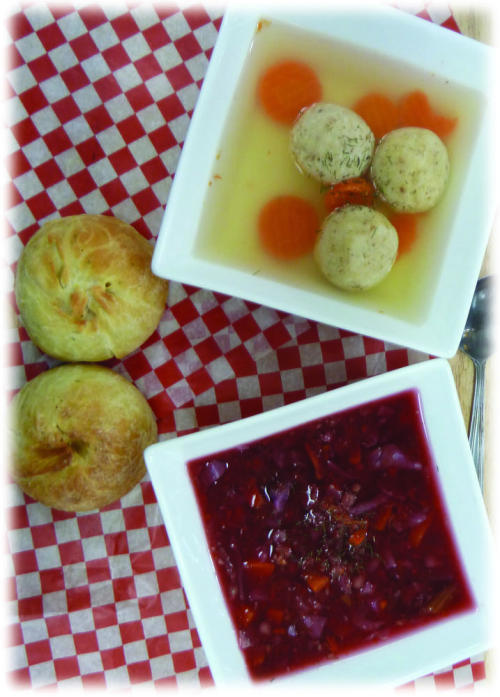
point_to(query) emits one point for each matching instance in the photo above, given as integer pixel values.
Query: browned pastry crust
(85, 289)
(79, 432)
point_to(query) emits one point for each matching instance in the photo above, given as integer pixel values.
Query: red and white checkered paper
(99, 99)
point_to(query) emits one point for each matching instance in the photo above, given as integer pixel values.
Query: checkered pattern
(99, 100)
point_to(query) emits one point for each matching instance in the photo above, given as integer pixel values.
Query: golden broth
(254, 165)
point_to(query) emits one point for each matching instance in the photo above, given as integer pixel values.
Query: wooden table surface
(477, 23)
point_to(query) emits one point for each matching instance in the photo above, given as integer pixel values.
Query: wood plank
(477, 23)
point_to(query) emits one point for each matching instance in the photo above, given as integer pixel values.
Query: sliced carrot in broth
(415, 110)
(357, 191)
(287, 226)
(379, 112)
(382, 114)
(406, 227)
(317, 582)
(287, 87)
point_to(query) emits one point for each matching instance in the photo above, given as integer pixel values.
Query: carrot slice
(317, 582)
(406, 227)
(379, 112)
(261, 569)
(441, 600)
(415, 110)
(332, 645)
(318, 469)
(246, 615)
(287, 226)
(417, 533)
(357, 537)
(356, 191)
(256, 655)
(287, 87)
(383, 517)
(443, 126)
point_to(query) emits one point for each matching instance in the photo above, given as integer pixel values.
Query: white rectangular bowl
(397, 36)
(393, 663)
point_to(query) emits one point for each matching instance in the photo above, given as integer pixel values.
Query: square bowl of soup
(264, 175)
(339, 540)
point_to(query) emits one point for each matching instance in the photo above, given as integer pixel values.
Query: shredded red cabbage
(331, 536)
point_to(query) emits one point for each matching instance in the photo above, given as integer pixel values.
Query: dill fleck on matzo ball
(331, 143)
(410, 169)
(356, 247)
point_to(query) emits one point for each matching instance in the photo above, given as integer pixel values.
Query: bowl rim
(419, 653)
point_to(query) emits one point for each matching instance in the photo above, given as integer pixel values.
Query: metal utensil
(477, 343)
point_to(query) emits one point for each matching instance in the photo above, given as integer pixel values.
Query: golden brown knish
(85, 289)
(78, 436)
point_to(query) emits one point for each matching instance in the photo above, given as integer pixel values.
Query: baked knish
(85, 289)
(78, 436)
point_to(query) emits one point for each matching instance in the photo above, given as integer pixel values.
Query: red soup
(331, 536)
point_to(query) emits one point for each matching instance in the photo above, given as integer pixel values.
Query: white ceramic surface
(394, 35)
(393, 663)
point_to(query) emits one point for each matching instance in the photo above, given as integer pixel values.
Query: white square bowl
(389, 664)
(441, 300)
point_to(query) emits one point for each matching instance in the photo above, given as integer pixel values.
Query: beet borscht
(331, 536)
